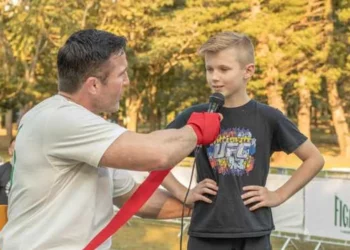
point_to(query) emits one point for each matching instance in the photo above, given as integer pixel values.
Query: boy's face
(225, 74)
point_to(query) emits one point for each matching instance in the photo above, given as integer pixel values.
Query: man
(240, 216)
(61, 196)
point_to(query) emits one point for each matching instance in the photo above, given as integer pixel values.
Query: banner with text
(327, 208)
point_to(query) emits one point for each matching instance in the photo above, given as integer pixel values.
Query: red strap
(205, 125)
(131, 206)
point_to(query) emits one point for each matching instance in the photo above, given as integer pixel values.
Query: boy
(240, 217)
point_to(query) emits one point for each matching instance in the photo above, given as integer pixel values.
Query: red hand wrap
(206, 126)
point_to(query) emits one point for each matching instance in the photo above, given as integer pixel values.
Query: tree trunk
(255, 8)
(153, 120)
(133, 105)
(8, 123)
(338, 117)
(274, 99)
(314, 115)
(152, 97)
(304, 107)
(332, 76)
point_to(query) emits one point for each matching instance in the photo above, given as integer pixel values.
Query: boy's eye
(209, 69)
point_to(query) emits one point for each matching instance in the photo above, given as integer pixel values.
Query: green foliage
(163, 36)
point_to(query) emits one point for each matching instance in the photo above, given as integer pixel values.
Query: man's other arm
(161, 205)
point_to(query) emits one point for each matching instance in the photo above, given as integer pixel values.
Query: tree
(162, 56)
(333, 73)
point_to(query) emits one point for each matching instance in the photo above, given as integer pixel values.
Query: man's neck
(77, 99)
(66, 95)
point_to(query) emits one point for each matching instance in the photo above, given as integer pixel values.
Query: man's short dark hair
(84, 55)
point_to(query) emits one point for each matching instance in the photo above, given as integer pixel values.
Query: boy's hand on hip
(199, 192)
(258, 196)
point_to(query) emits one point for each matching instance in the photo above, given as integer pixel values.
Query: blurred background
(302, 58)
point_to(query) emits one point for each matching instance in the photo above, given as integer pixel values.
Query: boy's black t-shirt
(240, 156)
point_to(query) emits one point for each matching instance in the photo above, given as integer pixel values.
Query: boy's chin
(221, 91)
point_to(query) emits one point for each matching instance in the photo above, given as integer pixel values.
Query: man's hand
(206, 186)
(206, 126)
(260, 197)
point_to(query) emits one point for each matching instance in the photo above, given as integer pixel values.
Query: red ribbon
(131, 206)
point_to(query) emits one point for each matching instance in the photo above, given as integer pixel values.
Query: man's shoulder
(55, 106)
(57, 116)
(66, 110)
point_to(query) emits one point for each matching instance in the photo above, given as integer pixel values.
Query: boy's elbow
(320, 161)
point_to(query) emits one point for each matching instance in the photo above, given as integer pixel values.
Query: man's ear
(92, 85)
(249, 71)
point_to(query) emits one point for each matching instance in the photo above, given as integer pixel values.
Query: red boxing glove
(206, 126)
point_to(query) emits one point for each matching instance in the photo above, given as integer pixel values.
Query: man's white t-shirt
(61, 198)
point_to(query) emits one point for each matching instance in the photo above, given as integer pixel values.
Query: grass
(158, 235)
(148, 234)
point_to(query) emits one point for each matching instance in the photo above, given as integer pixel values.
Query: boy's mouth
(217, 87)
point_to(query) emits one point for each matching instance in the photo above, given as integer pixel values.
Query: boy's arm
(206, 186)
(312, 164)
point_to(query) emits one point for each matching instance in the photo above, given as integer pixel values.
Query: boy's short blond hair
(224, 40)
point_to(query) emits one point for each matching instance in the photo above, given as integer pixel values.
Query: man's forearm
(175, 147)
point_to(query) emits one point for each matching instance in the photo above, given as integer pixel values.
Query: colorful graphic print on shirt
(233, 152)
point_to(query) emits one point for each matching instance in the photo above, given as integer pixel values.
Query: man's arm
(161, 205)
(163, 148)
(157, 150)
(312, 163)
(206, 186)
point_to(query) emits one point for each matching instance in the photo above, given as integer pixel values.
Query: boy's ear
(249, 71)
